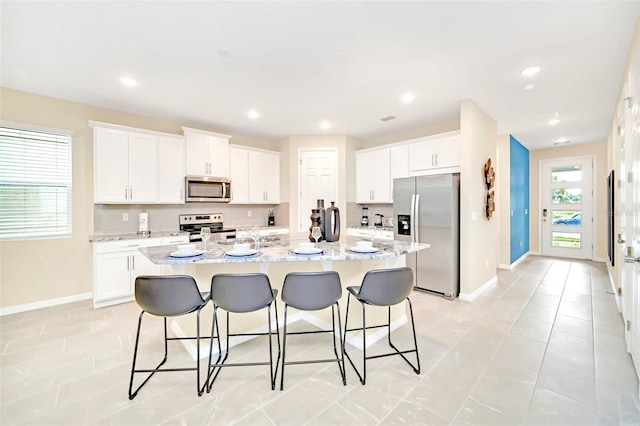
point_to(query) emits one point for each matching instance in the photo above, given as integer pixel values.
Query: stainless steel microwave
(207, 189)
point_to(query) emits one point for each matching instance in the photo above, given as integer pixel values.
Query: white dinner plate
(236, 253)
(363, 250)
(190, 254)
(308, 251)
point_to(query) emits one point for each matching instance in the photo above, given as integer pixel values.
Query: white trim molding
(466, 297)
(514, 264)
(44, 304)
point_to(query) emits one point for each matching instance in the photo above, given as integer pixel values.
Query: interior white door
(567, 207)
(629, 209)
(318, 177)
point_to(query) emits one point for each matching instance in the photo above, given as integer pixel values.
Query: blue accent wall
(519, 196)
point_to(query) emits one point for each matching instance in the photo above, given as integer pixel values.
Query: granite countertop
(135, 236)
(281, 250)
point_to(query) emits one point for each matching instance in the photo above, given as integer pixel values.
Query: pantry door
(318, 179)
(566, 199)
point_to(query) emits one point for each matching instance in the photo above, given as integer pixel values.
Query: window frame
(21, 234)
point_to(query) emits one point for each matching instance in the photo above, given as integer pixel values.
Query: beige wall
(479, 238)
(38, 270)
(417, 132)
(503, 198)
(599, 152)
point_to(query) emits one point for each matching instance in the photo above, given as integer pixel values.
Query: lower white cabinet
(116, 264)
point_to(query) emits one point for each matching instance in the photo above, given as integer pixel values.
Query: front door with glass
(567, 208)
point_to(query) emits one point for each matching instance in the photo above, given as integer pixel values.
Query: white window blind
(35, 184)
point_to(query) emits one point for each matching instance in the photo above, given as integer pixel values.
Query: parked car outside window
(574, 219)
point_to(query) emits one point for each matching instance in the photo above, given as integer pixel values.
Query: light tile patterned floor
(543, 346)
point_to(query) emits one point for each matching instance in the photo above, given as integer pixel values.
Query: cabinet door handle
(133, 262)
(131, 193)
(127, 263)
(436, 159)
(125, 193)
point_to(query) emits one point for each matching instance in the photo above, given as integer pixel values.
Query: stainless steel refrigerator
(427, 209)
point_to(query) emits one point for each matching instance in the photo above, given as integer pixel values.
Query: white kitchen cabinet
(432, 154)
(171, 170)
(124, 166)
(207, 153)
(268, 232)
(373, 184)
(239, 174)
(264, 177)
(117, 264)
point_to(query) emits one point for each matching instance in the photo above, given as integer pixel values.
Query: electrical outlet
(486, 263)
(248, 213)
(125, 217)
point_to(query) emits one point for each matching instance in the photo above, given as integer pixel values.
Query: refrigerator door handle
(416, 225)
(412, 218)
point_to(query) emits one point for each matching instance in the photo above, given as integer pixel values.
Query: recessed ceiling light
(562, 140)
(529, 86)
(388, 118)
(325, 125)
(561, 143)
(129, 81)
(407, 97)
(555, 120)
(530, 71)
(253, 114)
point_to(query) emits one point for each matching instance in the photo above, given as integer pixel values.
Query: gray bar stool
(241, 293)
(313, 291)
(167, 296)
(382, 287)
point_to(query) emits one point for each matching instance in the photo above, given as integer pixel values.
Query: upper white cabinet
(207, 153)
(264, 177)
(171, 170)
(373, 184)
(135, 166)
(429, 154)
(255, 176)
(124, 166)
(239, 174)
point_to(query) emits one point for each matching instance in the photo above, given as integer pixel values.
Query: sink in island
(276, 258)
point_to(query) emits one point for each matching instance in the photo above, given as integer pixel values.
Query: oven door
(205, 189)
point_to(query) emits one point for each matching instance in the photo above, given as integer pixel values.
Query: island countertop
(282, 250)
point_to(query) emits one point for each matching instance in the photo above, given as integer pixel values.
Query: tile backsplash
(108, 218)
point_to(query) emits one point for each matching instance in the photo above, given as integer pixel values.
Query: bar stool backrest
(311, 291)
(386, 287)
(167, 295)
(241, 292)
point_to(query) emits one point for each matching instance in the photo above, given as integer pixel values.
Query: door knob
(629, 259)
(620, 240)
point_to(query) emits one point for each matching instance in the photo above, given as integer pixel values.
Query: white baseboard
(601, 259)
(190, 346)
(44, 304)
(473, 296)
(514, 264)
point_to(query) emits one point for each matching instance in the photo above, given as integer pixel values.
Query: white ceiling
(299, 63)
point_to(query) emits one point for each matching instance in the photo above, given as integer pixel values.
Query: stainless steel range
(192, 223)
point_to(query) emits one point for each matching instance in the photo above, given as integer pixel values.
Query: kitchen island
(276, 258)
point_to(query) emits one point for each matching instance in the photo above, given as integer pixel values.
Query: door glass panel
(566, 195)
(566, 239)
(566, 174)
(566, 217)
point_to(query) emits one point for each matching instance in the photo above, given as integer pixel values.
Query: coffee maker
(365, 217)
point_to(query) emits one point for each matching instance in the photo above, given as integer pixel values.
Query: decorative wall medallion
(489, 182)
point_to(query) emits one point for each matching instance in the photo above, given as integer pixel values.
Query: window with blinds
(35, 184)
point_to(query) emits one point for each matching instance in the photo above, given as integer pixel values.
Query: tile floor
(544, 346)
